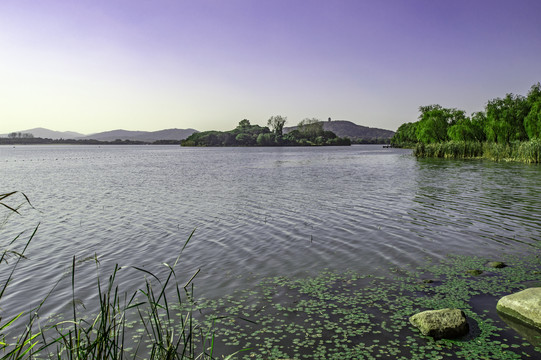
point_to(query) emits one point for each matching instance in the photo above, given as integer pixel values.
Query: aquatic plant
(109, 334)
(326, 316)
(526, 151)
(24, 343)
(345, 316)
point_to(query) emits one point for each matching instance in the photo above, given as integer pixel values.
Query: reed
(161, 333)
(528, 151)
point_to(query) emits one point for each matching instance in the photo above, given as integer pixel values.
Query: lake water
(257, 212)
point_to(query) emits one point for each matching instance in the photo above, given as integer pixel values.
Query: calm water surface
(256, 212)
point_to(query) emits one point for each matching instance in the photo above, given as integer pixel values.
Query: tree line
(514, 118)
(31, 140)
(309, 132)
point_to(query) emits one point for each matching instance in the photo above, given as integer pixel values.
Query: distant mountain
(147, 136)
(351, 130)
(49, 134)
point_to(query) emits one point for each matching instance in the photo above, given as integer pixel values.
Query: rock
(474, 272)
(524, 306)
(530, 333)
(441, 324)
(496, 264)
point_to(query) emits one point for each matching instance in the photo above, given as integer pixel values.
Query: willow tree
(434, 122)
(505, 119)
(532, 121)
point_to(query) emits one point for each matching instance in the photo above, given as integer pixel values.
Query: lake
(257, 212)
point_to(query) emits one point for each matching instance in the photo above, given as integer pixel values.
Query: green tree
(479, 124)
(276, 123)
(245, 123)
(245, 139)
(532, 121)
(461, 131)
(505, 119)
(310, 128)
(406, 135)
(434, 122)
(466, 129)
(268, 139)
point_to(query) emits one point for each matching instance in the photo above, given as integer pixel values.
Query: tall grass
(24, 343)
(139, 325)
(529, 151)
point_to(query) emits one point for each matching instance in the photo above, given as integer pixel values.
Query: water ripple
(257, 212)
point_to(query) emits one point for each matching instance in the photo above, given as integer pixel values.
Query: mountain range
(146, 136)
(342, 128)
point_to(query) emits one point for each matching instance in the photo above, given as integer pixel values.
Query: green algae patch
(474, 272)
(351, 315)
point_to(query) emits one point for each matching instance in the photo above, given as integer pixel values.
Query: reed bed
(528, 151)
(164, 323)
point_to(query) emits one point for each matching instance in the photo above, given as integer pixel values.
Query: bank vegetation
(509, 128)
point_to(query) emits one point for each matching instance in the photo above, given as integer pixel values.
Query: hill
(356, 133)
(49, 134)
(147, 136)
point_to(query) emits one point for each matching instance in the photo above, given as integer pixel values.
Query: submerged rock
(524, 305)
(441, 324)
(474, 272)
(496, 264)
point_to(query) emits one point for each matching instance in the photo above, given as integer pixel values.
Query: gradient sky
(98, 65)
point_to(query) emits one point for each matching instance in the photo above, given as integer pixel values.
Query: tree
(310, 128)
(244, 123)
(505, 119)
(532, 121)
(461, 131)
(276, 123)
(405, 135)
(245, 139)
(434, 122)
(268, 139)
(479, 124)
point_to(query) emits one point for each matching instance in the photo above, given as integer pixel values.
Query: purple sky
(98, 65)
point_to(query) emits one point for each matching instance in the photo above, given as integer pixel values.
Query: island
(309, 132)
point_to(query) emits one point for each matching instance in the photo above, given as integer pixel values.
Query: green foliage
(268, 139)
(505, 119)
(311, 133)
(310, 128)
(503, 130)
(243, 135)
(532, 122)
(434, 122)
(466, 129)
(526, 151)
(406, 135)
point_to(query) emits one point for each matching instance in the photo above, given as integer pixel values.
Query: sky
(97, 65)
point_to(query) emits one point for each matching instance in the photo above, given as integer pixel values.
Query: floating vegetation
(345, 316)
